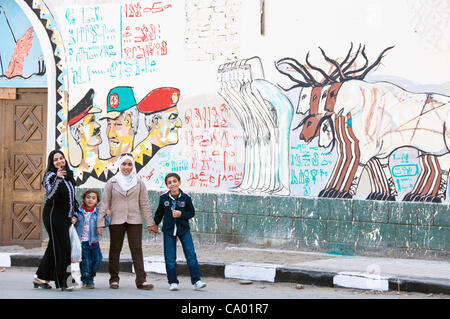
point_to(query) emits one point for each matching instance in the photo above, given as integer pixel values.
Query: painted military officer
(161, 120)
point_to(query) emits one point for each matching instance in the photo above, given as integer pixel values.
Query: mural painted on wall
(159, 109)
(367, 122)
(96, 124)
(321, 135)
(265, 114)
(21, 59)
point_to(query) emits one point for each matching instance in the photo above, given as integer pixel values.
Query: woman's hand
(100, 231)
(108, 212)
(61, 172)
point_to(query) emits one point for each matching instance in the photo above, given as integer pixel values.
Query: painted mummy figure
(264, 113)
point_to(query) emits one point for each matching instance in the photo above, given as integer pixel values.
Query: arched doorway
(24, 118)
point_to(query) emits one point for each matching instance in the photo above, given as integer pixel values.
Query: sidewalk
(275, 265)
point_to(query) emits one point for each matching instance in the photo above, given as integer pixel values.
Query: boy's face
(173, 184)
(90, 200)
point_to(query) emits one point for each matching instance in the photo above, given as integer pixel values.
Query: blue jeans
(170, 256)
(91, 259)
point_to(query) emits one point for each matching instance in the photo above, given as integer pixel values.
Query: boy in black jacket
(176, 208)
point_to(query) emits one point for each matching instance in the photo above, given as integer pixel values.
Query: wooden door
(23, 160)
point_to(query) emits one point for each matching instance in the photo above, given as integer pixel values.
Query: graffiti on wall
(98, 48)
(21, 59)
(211, 138)
(160, 112)
(310, 167)
(264, 113)
(94, 127)
(367, 122)
(93, 49)
(319, 137)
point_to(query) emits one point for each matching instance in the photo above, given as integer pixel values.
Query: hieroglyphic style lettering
(213, 158)
(137, 10)
(309, 166)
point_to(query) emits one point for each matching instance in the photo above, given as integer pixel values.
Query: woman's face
(59, 160)
(126, 167)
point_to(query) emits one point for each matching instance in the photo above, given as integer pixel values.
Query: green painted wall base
(335, 226)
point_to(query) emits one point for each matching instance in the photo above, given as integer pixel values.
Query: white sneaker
(199, 285)
(173, 287)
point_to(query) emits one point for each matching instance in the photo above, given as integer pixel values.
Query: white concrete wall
(201, 36)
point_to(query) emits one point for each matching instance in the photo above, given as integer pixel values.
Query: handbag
(75, 244)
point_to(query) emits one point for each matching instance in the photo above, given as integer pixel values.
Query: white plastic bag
(75, 244)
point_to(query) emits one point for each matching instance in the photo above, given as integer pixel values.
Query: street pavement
(222, 298)
(16, 283)
(270, 265)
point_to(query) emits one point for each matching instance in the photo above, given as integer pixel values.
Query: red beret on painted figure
(159, 100)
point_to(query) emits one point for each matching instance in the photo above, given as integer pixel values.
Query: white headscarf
(126, 182)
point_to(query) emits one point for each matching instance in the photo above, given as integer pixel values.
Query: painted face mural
(83, 125)
(120, 134)
(165, 126)
(161, 116)
(89, 130)
(122, 123)
(85, 131)
(122, 120)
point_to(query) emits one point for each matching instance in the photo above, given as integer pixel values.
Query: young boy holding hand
(176, 208)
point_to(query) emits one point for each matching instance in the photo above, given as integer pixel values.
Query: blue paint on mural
(21, 59)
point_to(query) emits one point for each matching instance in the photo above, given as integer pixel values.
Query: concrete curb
(258, 272)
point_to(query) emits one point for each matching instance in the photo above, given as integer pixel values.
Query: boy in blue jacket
(176, 208)
(86, 225)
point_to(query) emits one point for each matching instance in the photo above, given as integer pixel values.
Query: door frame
(6, 217)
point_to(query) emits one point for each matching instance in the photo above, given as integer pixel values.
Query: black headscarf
(51, 167)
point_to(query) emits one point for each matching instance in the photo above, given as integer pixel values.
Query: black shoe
(69, 289)
(145, 287)
(40, 284)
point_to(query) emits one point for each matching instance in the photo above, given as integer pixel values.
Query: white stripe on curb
(154, 264)
(361, 280)
(251, 271)
(5, 259)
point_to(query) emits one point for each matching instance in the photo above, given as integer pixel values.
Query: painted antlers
(340, 69)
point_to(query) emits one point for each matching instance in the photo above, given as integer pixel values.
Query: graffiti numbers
(133, 10)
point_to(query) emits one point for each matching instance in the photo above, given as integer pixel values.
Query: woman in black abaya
(59, 212)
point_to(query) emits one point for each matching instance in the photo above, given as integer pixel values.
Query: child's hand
(176, 213)
(100, 231)
(108, 212)
(153, 230)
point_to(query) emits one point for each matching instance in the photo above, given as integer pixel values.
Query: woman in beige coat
(125, 198)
